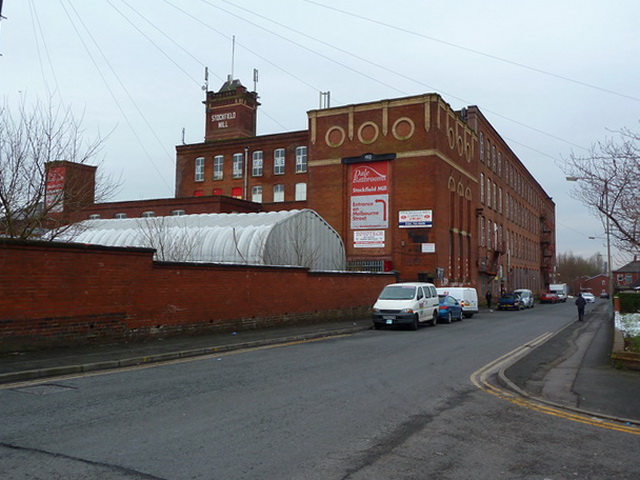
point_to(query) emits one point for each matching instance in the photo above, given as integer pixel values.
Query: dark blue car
(510, 301)
(449, 309)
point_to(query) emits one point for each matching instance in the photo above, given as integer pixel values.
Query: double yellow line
(480, 378)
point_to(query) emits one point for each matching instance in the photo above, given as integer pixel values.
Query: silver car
(526, 297)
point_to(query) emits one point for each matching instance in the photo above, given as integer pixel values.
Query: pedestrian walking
(580, 303)
(489, 297)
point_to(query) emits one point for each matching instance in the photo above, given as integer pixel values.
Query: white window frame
(256, 193)
(120, 215)
(494, 158)
(301, 192)
(199, 170)
(278, 193)
(301, 159)
(177, 213)
(237, 165)
(94, 216)
(218, 167)
(257, 163)
(148, 214)
(489, 233)
(278, 161)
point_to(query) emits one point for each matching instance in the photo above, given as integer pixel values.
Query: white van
(408, 304)
(467, 296)
(526, 296)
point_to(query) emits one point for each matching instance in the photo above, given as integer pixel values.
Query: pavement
(571, 370)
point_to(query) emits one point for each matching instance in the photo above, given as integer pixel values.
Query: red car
(549, 298)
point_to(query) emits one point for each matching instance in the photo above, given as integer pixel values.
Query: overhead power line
(477, 52)
(377, 65)
(111, 92)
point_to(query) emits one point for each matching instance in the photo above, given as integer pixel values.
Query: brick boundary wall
(60, 294)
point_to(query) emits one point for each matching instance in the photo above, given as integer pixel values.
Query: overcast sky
(551, 76)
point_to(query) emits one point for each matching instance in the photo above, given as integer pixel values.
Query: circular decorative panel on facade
(403, 128)
(368, 132)
(335, 136)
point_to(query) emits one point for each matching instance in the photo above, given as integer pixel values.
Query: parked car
(589, 297)
(406, 304)
(510, 301)
(526, 296)
(467, 296)
(548, 297)
(450, 309)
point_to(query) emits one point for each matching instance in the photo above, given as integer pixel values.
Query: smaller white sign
(428, 248)
(415, 218)
(368, 239)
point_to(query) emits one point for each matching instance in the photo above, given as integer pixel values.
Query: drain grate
(44, 389)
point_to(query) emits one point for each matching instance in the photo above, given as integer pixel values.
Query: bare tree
(300, 242)
(30, 143)
(570, 266)
(609, 182)
(170, 238)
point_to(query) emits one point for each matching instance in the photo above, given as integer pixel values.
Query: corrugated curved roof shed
(293, 237)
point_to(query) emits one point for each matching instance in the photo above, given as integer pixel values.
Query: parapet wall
(58, 294)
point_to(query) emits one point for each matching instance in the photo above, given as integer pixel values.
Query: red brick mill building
(410, 184)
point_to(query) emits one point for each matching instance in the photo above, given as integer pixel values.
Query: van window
(434, 292)
(397, 292)
(420, 293)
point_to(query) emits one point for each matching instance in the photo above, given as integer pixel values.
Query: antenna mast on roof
(1, 17)
(255, 79)
(233, 54)
(205, 87)
(325, 100)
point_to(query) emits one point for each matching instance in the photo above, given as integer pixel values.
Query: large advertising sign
(54, 193)
(370, 196)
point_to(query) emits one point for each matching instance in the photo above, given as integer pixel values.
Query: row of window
(624, 278)
(278, 193)
(257, 164)
(492, 196)
(300, 193)
(518, 246)
(459, 256)
(493, 159)
(147, 214)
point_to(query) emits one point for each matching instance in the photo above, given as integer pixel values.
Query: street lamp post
(607, 233)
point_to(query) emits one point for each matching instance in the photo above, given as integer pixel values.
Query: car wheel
(434, 320)
(414, 324)
(460, 317)
(449, 317)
